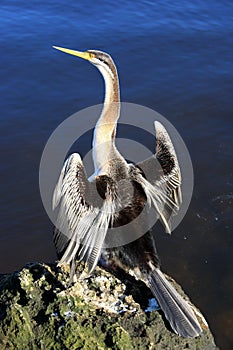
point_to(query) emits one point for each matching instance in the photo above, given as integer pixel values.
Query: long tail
(177, 311)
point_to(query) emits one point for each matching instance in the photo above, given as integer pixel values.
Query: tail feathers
(177, 311)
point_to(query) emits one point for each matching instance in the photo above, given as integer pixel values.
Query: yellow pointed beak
(85, 55)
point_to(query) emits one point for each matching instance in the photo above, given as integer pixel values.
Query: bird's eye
(92, 55)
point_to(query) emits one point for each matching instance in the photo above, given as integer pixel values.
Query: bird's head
(101, 60)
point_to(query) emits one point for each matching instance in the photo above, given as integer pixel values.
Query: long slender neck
(104, 134)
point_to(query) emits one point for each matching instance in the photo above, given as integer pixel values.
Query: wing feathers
(163, 178)
(81, 226)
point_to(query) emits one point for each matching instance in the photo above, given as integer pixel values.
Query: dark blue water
(174, 57)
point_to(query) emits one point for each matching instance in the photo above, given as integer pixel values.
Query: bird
(115, 196)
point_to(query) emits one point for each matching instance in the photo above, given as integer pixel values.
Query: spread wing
(163, 178)
(83, 216)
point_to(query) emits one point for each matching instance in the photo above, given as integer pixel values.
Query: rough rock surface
(39, 311)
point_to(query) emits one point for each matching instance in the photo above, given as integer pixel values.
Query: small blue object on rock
(152, 305)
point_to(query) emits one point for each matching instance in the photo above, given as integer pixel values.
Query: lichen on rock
(38, 310)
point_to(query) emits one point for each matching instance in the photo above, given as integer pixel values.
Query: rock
(39, 311)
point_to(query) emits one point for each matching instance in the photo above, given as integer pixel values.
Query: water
(173, 57)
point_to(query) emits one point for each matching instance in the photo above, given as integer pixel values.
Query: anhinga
(121, 192)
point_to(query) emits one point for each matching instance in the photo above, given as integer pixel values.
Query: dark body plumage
(118, 196)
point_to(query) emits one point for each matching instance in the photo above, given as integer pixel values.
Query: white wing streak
(165, 148)
(163, 187)
(82, 225)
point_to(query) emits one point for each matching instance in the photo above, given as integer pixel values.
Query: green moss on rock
(39, 311)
